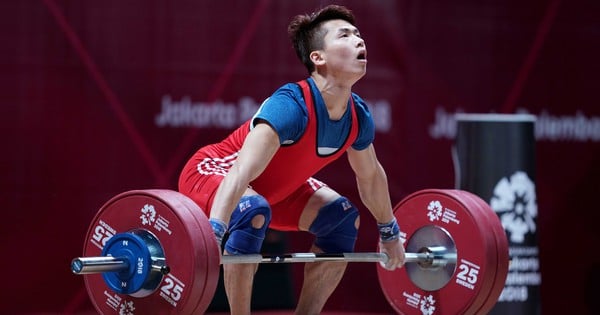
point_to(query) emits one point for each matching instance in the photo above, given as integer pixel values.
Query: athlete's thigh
(299, 209)
(317, 200)
(202, 187)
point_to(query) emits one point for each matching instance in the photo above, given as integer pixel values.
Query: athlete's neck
(335, 93)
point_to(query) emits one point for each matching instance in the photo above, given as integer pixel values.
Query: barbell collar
(101, 264)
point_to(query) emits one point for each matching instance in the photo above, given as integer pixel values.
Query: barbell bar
(429, 258)
(156, 253)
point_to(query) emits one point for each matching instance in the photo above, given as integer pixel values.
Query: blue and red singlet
(309, 141)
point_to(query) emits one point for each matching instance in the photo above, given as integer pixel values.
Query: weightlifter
(260, 176)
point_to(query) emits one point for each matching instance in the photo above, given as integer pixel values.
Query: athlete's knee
(336, 226)
(248, 225)
(258, 222)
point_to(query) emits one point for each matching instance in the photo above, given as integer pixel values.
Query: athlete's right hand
(219, 228)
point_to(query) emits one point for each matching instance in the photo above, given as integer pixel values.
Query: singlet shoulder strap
(307, 94)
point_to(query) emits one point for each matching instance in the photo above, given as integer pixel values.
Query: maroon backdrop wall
(99, 97)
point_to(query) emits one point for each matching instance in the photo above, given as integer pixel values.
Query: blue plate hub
(145, 260)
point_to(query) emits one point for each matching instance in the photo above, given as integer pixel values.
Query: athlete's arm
(372, 183)
(258, 149)
(373, 189)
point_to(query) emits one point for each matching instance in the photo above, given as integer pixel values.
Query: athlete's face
(344, 50)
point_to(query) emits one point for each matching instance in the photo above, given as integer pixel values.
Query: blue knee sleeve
(334, 227)
(243, 237)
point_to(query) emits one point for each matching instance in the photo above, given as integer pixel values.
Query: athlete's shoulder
(362, 109)
(359, 102)
(285, 111)
(285, 97)
(366, 133)
(290, 90)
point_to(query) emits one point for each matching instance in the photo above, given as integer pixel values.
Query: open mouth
(362, 55)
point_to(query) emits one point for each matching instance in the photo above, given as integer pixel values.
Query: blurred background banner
(101, 97)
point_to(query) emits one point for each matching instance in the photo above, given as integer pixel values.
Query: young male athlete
(260, 176)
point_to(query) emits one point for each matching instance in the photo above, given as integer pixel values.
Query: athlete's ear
(317, 57)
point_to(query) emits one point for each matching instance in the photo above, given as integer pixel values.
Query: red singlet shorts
(202, 188)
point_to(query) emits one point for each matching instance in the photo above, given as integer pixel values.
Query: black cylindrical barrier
(494, 158)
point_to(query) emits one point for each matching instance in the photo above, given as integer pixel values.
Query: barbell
(153, 251)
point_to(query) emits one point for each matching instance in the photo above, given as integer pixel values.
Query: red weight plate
(162, 213)
(484, 221)
(476, 258)
(212, 251)
(502, 251)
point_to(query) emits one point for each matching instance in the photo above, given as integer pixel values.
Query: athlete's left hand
(395, 252)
